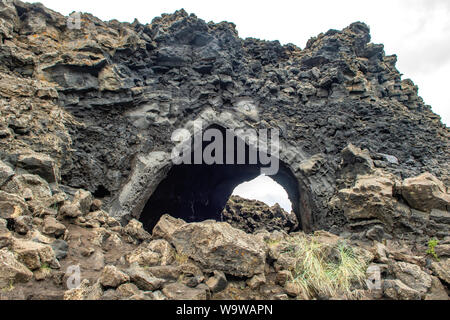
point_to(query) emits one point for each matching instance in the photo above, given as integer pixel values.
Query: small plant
(272, 242)
(431, 246)
(9, 288)
(181, 258)
(45, 267)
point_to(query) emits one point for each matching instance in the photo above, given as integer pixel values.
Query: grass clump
(181, 258)
(324, 270)
(9, 288)
(431, 248)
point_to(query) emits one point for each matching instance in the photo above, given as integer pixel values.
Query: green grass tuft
(323, 270)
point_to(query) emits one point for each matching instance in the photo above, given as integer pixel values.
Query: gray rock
(178, 291)
(143, 279)
(5, 173)
(60, 247)
(39, 164)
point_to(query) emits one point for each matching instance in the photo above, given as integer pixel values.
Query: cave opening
(199, 192)
(264, 189)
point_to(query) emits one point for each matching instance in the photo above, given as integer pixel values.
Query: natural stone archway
(200, 192)
(157, 186)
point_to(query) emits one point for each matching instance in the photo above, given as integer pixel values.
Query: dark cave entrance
(198, 192)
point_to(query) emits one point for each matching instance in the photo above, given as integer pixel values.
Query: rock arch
(158, 186)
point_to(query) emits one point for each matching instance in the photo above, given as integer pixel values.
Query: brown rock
(53, 227)
(256, 281)
(12, 206)
(127, 290)
(143, 279)
(178, 291)
(442, 269)
(165, 272)
(425, 193)
(437, 291)
(34, 255)
(11, 270)
(39, 164)
(144, 256)
(136, 231)
(218, 246)
(70, 211)
(218, 282)
(413, 276)
(166, 226)
(85, 292)
(6, 173)
(21, 184)
(83, 199)
(397, 290)
(111, 277)
(372, 198)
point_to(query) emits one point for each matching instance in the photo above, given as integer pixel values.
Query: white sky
(418, 31)
(264, 189)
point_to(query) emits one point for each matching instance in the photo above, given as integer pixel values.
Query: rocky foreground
(45, 233)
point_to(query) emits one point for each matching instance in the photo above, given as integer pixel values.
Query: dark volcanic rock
(252, 216)
(94, 107)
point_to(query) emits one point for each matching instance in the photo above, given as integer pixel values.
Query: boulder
(53, 227)
(11, 270)
(397, 290)
(83, 199)
(425, 192)
(24, 183)
(372, 197)
(256, 281)
(6, 173)
(127, 290)
(218, 246)
(437, 291)
(144, 256)
(12, 206)
(166, 226)
(39, 164)
(442, 269)
(85, 292)
(413, 276)
(178, 291)
(218, 282)
(165, 272)
(136, 230)
(143, 279)
(70, 211)
(6, 238)
(111, 277)
(165, 250)
(79, 206)
(34, 255)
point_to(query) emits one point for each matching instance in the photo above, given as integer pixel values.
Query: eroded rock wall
(103, 99)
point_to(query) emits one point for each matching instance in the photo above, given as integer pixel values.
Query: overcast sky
(264, 189)
(418, 31)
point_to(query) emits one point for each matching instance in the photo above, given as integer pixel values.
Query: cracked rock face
(72, 94)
